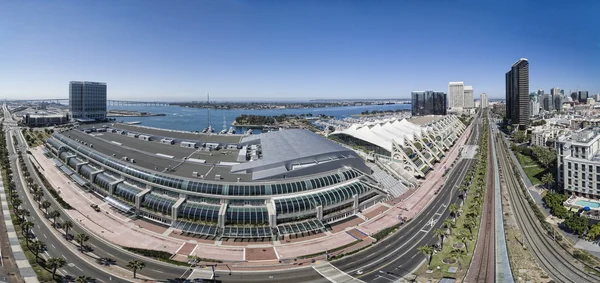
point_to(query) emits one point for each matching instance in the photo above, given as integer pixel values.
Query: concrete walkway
(25, 268)
(503, 271)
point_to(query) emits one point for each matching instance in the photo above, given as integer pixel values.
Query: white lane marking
(64, 256)
(53, 246)
(78, 268)
(45, 236)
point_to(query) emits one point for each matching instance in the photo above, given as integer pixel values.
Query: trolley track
(560, 267)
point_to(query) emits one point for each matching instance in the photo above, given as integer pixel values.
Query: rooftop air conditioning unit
(195, 174)
(217, 177)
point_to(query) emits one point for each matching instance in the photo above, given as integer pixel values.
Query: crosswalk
(333, 274)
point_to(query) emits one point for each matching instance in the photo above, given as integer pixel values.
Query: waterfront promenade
(125, 231)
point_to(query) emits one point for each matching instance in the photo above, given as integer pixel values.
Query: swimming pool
(590, 204)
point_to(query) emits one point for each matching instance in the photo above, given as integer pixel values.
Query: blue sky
(296, 50)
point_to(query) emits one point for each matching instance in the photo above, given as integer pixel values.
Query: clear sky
(233, 49)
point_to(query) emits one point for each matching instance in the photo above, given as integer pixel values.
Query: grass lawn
(532, 169)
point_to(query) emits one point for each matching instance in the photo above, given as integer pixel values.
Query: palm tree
(454, 208)
(67, 225)
(83, 279)
(136, 265)
(37, 196)
(25, 227)
(463, 191)
(428, 252)
(440, 233)
(470, 223)
(81, 238)
(548, 179)
(55, 263)
(23, 213)
(54, 214)
(449, 224)
(16, 202)
(37, 247)
(464, 238)
(46, 204)
(458, 254)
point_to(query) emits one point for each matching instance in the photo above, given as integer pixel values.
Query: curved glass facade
(325, 199)
(198, 211)
(247, 215)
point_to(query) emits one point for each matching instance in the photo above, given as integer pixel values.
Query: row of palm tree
(37, 247)
(477, 172)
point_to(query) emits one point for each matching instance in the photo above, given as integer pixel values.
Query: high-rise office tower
(540, 92)
(428, 103)
(87, 100)
(469, 100)
(547, 104)
(583, 96)
(517, 93)
(456, 94)
(483, 100)
(534, 106)
(554, 91)
(558, 101)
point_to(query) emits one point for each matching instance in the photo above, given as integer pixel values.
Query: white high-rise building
(456, 94)
(534, 106)
(469, 101)
(484, 100)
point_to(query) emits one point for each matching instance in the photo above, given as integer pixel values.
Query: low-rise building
(44, 120)
(546, 135)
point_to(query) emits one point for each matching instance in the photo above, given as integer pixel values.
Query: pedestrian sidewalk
(25, 269)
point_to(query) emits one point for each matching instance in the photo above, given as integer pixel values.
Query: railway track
(551, 257)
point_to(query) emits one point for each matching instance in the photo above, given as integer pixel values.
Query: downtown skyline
(290, 50)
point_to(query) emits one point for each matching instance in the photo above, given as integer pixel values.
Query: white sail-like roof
(384, 132)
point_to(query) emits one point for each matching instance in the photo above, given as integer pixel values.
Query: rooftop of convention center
(280, 153)
(175, 134)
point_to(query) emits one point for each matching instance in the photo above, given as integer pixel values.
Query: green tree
(470, 223)
(54, 214)
(67, 225)
(520, 136)
(449, 224)
(548, 179)
(82, 279)
(37, 247)
(81, 238)
(136, 265)
(46, 204)
(458, 254)
(464, 238)
(55, 263)
(577, 224)
(26, 227)
(454, 209)
(594, 232)
(440, 233)
(428, 252)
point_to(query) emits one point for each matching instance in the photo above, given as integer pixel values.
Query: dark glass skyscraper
(583, 96)
(517, 93)
(428, 103)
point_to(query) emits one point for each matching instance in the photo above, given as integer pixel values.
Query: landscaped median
(460, 231)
